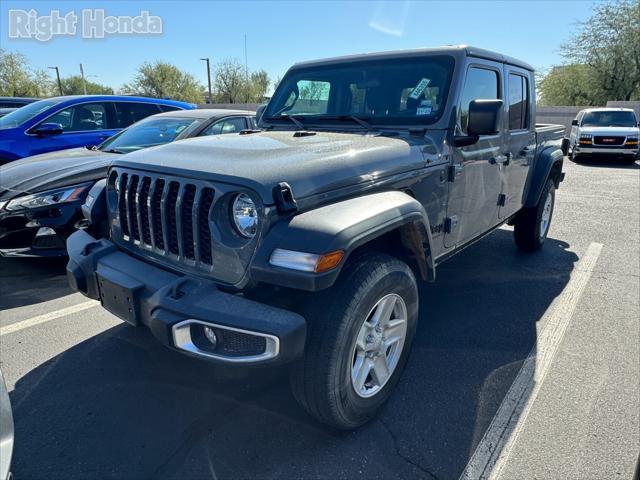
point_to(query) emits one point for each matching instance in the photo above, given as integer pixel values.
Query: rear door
(473, 197)
(128, 113)
(520, 140)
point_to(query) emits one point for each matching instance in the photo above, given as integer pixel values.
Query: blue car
(73, 121)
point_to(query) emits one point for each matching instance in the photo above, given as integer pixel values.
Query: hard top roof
(455, 50)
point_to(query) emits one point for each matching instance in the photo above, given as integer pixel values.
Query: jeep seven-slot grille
(169, 216)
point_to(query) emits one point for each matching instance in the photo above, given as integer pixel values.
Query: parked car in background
(302, 243)
(9, 104)
(73, 121)
(40, 196)
(606, 133)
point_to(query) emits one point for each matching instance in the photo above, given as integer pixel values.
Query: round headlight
(245, 215)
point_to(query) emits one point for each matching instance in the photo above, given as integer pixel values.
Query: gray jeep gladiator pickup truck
(302, 242)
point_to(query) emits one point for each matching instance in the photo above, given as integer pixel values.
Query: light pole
(208, 76)
(84, 82)
(58, 76)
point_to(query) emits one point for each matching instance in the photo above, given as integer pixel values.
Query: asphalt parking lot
(524, 366)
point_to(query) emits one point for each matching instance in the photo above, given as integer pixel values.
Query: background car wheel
(360, 334)
(573, 156)
(532, 224)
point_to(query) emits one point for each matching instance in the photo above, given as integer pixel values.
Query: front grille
(608, 140)
(169, 216)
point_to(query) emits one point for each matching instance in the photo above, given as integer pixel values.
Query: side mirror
(574, 122)
(47, 129)
(484, 116)
(259, 111)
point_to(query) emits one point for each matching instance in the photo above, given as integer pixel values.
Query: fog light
(211, 336)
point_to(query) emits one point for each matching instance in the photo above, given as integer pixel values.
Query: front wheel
(360, 334)
(532, 224)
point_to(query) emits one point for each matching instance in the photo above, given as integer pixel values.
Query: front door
(520, 141)
(473, 197)
(85, 124)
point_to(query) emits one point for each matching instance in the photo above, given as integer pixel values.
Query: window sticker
(424, 83)
(424, 108)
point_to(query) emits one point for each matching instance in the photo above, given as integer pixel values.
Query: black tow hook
(176, 292)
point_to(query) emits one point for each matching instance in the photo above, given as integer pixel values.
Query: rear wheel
(532, 224)
(360, 334)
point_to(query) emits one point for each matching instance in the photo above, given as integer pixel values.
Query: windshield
(615, 118)
(22, 114)
(383, 92)
(150, 132)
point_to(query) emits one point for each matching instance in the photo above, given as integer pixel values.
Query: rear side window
(229, 125)
(518, 102)
(81, 118)
(168, 108)
(481, 84)
(130, 112)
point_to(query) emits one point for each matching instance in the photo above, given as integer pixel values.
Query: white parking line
(499, 439)
(47, 317)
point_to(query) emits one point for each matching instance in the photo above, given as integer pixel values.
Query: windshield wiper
(358, 120)
(114, 150)
(298, 123)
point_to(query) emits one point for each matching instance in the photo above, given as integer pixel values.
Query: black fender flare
(548, 159)
(345, 225)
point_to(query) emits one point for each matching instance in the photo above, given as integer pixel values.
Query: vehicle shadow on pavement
(25, 281)
(603, 162)
(120, 405)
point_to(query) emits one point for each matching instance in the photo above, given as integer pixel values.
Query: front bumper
(606, 151)
(177, 308)
(40, 232)
(6, 432)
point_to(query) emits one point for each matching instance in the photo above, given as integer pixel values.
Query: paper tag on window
(424, 108)
(424, 83)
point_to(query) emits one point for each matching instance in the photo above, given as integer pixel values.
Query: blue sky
(284, 32)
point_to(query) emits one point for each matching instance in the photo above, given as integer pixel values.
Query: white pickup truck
(606, 132)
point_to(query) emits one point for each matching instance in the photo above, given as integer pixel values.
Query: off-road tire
(528, 224)
(321, 381)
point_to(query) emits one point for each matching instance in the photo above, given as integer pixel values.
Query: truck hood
(620, 131)
(309, 164)
(52, 170)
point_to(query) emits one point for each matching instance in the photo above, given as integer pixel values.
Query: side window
(481, 84)
(81, 118)
(130, 112)
(168, 108)
(313, 97)
(228, 125)
(518, 102)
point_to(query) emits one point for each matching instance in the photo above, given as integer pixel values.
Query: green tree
(260, 82)
(18, 79)
(605, 54)
(230, 82)
(233, 84)
(72, 85)
(569, 85)
(165, 80)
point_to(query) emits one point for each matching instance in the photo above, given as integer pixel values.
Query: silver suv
(606, 132)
